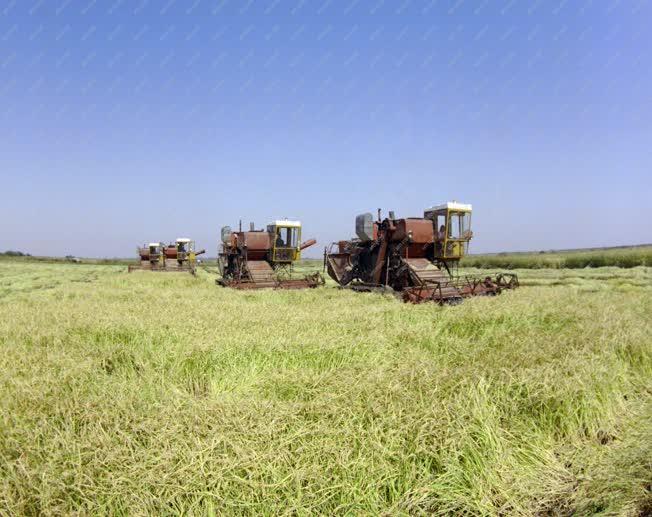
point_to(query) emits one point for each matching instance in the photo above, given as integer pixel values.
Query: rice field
(626, 257)
(156, 393)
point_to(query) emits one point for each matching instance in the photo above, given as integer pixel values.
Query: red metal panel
(421, 229)
(256, 241)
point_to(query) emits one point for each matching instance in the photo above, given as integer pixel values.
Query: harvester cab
(452, 230)
(185, 251)
(286, 238)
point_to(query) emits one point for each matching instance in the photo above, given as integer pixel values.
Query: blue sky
(129, 121)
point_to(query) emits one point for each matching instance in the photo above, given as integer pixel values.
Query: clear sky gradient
(123, 122)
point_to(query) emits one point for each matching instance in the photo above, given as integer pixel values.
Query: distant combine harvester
(176, 257)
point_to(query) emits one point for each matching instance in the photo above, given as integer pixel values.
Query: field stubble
(144, 392)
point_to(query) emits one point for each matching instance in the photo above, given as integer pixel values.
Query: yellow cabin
(452, 229)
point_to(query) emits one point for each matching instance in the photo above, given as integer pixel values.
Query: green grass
(163, 393)
(627, 257)
(62, 260)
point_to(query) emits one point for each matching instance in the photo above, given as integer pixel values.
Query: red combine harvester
(417, 257)
(264, 258)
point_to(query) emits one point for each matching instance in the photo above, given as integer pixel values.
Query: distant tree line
(11, 253)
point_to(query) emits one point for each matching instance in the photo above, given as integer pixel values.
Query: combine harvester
(264, 258)
(179, 256)
(417, 257)
(152, 257)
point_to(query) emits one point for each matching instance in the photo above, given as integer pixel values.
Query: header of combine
(263, 258)
(417, 257)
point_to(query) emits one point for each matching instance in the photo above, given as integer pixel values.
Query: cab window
(459, 225)
(454, 226)
(440, 223)
(287, 237)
